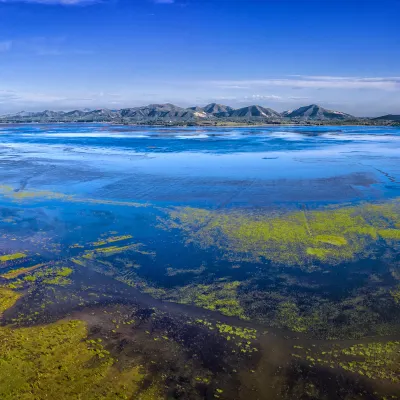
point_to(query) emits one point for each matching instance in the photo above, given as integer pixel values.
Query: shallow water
(204, 226)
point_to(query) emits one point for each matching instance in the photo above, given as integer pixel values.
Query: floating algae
(7, 299)
(112, 239)
(375, 360)
(60, 361)
(55, 361)
(298, 238)
(49, 276)
(11, 257)
(10, 193)
(15, 273)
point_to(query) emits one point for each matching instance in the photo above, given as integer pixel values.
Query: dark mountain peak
(166, 106)
(196, 108)
(388, 117)
(317, 113)
(215, 108)
(255, 111)
(170, 114)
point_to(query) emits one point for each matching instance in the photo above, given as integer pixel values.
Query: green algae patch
(319, 253)
(243, 338)
(57, 277)
(329, 235)
(395, 293)
(221, 296)
(7, 299)
(288, 315)
(390, 234)
(11, 257)
(44, 195)
(376, 361)
(58, 362)
(20, 271)
(48, 276)
(112, 239)
(331, 239)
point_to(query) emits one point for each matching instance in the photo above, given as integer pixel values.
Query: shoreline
(190, 125)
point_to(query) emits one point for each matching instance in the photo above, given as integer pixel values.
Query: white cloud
(318, 82)
(42, 46)
(5, 45)
(164, 1)
(55, 2)
(263, 97)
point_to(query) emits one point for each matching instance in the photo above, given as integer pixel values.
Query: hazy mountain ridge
(317, 113)
(210, 114)
(389, 117)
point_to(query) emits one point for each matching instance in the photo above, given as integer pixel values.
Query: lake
(200, 263)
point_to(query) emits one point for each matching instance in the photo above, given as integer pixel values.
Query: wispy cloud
(259, 97)
(317, 82)
(164, 1)
(5, 45)
(55, 2)
(43, 46)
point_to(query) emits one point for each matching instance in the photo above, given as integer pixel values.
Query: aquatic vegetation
(44, 195)
(242, 338)
(376, 360)
(15, 273)
(390, 234)
(105, 251)
(220, 297)
(7, 299)
(330, 235)
(396, 294)
(183, 271)
(321, 254)
(288, 316)
(331, 239)
(112, 239)
(243, 333)
(11, 257)
(48, 276)
(58, 361)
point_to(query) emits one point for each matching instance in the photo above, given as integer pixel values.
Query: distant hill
(251, 112)
(215, 108)
(211, 114)
(389, 117)
(316, 113)
(161, 112)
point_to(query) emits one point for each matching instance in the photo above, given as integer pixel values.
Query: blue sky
(65, 54)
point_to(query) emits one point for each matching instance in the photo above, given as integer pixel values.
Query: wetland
(199, 263)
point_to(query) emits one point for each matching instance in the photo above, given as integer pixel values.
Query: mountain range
(170, 114)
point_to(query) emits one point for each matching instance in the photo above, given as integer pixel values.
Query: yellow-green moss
(288, 316)
(331, 239)
(43, 195)
(10, 257)
(396, 294)
(376, 361)
(391, 234)
(7, 299)
(296, 238)
(319, 253)
(112, 239)
(220, 296)
(15, 273)
(56, 362)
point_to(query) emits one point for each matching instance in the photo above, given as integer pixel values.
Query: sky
(283, 54)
